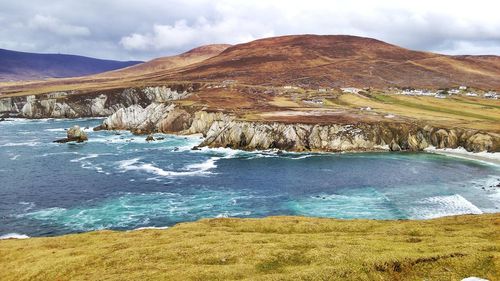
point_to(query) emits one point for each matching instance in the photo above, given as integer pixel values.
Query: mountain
(166, 63)
(308, 61)
(340, 60)
(15, 66)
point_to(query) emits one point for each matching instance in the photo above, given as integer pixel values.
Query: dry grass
(274, 248)
(452, 112)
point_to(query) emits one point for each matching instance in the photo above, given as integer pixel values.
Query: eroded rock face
(74, 105)
(222, 130)
(138, 119)
(75, 134)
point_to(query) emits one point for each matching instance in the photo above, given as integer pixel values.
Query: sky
(146, 29)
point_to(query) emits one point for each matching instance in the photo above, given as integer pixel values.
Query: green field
(274, 248)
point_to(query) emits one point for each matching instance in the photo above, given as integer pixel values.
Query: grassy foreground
(274, 248)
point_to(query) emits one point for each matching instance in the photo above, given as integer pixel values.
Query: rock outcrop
(101, 104)
(222, 130)
(149, 110)
(75, 134)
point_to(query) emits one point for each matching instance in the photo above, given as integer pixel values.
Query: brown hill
(339, 60)
(309, 61)
(166, 63)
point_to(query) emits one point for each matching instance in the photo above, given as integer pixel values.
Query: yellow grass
(274, 248)
(460, 112)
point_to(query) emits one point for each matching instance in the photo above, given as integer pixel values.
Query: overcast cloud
(147, 29)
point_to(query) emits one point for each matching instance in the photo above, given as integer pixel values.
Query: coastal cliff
(72, 104)
(153, 109)
(224, 130)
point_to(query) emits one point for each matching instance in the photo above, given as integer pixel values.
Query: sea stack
(75, 134)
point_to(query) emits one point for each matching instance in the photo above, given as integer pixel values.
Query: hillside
(15, 66)
(308, 61)
(338, 60)
(167, 63)
(273, 248)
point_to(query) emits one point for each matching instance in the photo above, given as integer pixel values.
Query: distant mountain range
(16, 66)
(307, 61)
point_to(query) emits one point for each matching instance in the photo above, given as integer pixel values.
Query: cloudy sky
(144, 29)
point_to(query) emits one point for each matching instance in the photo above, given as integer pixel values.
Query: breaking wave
(189, 170)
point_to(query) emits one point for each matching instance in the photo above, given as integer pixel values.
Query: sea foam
(13, 236)
(190, 170)
(440, 206)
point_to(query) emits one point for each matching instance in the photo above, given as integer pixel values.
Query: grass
(441, 109)
(273, 248)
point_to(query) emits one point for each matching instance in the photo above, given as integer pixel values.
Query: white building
(491, 95)
(417, 93)
(440, 96)
(453, 91)
(471, 94)
(350, 90)
(462, 88)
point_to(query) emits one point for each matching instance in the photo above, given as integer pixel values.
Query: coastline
(492, 158)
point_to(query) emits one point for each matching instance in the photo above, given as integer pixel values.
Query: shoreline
(491, 158)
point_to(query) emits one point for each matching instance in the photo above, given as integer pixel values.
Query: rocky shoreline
(224, 130)
(152, 109)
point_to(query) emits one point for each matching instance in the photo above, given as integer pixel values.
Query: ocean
(117, 180)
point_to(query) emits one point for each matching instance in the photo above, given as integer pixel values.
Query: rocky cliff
(100, 104)
(150, 109)
(222, 130)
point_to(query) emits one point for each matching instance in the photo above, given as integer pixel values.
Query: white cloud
(55, 26)
(181, 34)
(144, 29)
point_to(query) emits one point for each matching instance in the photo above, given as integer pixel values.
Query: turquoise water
(119, 181)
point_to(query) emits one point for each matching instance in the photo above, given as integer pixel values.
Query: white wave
(302, 157)
(29, 205)
(440, 206)
(14, 157)
(13, 236)
(32, 143)
(85, 157)
(492, 158)
(203, 166)
(57, 153)
(190, 170)
(150, 227)
(227, 214)
(56, 130)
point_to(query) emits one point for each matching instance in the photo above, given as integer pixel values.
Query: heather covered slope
(308, 61)
(273, 248)
(339, 60)
(16, 66)
(171, 62)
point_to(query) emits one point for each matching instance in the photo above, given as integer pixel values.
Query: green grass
(392, 100)
(477, 103)
(274, 248)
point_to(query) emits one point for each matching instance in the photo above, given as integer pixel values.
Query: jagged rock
(138, 119)
(223, 130)
(195, 148)
(481, 142)
(150, 138)
(74, 134)
(73, 105)
(393, 146)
